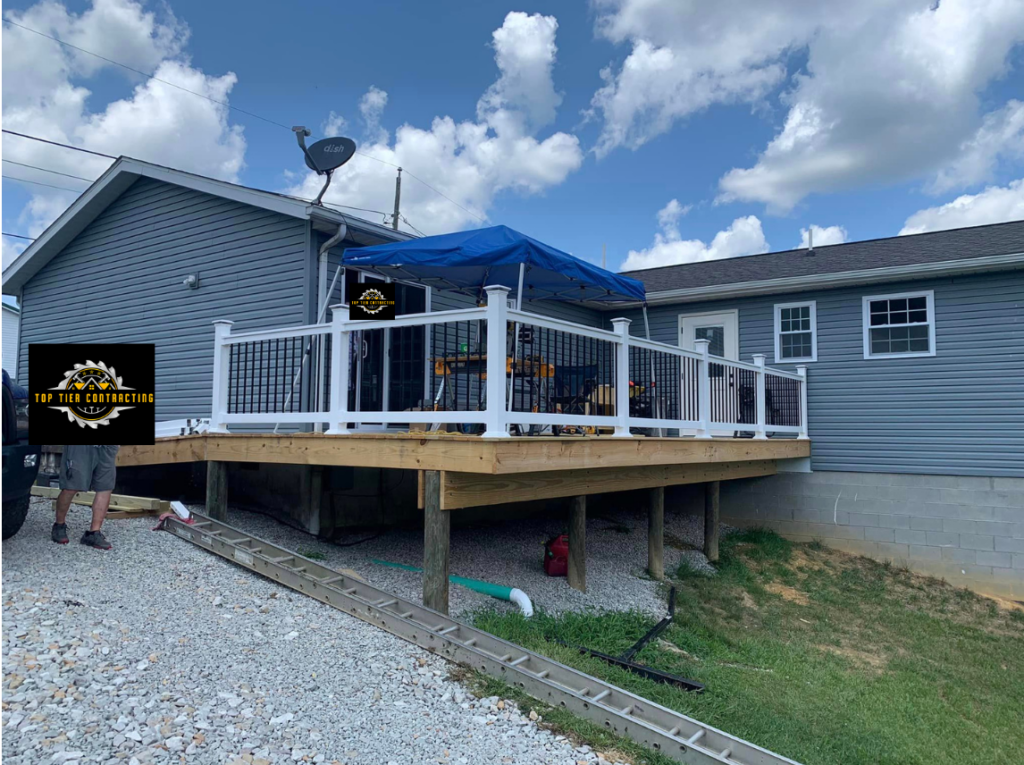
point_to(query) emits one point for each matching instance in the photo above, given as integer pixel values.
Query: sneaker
(96, 539)
(59, 533)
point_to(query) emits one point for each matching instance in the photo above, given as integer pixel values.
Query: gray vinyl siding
(120, 281)
(960, 412)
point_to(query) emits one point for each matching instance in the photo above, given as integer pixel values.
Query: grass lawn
(819, 655)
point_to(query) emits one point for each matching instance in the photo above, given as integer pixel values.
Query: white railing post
(221, 376)
(621, 328)
(703, 388)
(497, 361)
(802, 371)
(761, 402)
(337, 419)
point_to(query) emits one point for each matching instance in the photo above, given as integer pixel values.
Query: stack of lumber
(121, 505)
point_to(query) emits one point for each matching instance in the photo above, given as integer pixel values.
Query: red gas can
(556, 556)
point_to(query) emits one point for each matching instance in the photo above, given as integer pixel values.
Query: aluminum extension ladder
(656, 727)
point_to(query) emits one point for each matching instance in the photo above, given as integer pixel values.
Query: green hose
(498, 591)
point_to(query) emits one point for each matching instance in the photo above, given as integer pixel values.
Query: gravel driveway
(159, 652)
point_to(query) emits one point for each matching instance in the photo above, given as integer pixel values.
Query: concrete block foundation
(968, 530)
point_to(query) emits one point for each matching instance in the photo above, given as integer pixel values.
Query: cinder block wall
(966, 529)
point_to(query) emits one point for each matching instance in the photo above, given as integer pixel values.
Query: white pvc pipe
(522, 600)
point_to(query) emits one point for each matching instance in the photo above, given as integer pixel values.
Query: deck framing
(459, 454)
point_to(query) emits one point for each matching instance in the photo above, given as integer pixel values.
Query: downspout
(338, 237)
(324, 297)
(323, 293)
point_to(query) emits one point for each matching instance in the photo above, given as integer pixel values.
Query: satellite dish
(329, 154)
(325, 156)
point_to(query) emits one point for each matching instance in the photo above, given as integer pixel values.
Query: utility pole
(604, 256)
(398, 199)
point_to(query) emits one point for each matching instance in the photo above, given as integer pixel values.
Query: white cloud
(471, 161)
(45, 93)
(371, 106)
(1001, 136)
(823, 235)
(524, 49)
(891, 89)
(743, 237)
(892, 94)
(12, 248)
(334, 125)
(995, 204)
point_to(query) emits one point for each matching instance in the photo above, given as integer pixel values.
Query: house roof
(126, 170)
(993, 247)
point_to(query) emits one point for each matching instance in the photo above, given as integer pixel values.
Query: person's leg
(63, 504)
(75, 475)
(99, 509)
(103, 479)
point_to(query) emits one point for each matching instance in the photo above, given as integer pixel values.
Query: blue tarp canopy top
(468, 261)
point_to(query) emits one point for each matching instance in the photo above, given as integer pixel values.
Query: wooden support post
(711, 513)
(217, 490)
(656, 533)
(436, 543)
(578, 543)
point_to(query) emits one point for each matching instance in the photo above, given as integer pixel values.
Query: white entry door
(722, 329)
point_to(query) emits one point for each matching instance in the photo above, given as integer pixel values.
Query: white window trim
(929, 296)
(814, 331)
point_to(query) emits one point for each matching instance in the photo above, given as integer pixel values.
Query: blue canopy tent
(468, 261)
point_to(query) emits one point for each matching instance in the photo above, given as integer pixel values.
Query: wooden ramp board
(464, 454)
(126, 505)
(460, 490)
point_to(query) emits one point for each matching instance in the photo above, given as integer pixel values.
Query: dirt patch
(1004, 603)
(802, 562)
(673, 648)
(862, 659)
(788, 593)
(747, 600)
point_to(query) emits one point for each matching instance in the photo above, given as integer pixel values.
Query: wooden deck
(457, 471)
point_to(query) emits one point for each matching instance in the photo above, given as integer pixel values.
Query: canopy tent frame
(487, 256)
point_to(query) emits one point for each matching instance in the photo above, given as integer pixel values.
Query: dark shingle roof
(916, 249)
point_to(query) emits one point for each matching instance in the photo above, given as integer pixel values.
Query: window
(899, 326)
(796, 332)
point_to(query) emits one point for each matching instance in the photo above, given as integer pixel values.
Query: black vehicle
(21, 459)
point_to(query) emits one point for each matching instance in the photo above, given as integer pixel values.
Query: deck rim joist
(457, 453)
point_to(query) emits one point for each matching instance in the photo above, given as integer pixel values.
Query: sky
(657, 131)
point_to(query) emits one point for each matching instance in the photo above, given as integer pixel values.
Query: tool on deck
(625, 660)
(676, 735)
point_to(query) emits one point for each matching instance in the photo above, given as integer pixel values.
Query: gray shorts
(88, 468)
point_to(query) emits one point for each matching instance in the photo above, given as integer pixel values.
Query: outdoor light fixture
(191, 281)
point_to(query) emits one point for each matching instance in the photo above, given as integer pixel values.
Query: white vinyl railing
(558, 376)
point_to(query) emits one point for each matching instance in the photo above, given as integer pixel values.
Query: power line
(468, 212)
(407, 223)
(36, 167)
(19, 236)
(47, 185)
(145, 74)
(58, 143)
(348, 207)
